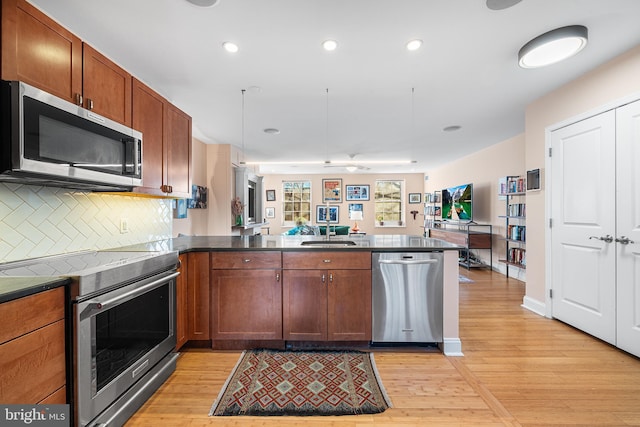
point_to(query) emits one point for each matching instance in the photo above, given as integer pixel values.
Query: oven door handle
(94, 305)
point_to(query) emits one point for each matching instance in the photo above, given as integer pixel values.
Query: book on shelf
(517, 232)
(512, 184)
(517, 209)
(518, 256)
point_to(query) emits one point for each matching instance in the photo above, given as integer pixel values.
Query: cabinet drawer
(246, 259)
(326, 260)
(33, 366)
(26, 314)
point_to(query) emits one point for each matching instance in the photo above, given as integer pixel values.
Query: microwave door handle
(95, 305)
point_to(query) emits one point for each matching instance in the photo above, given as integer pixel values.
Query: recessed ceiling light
(230, 47)
(330, 45)
(414, 44)
(452, 128)
(272, 131)
(204, 3)
(553, 46)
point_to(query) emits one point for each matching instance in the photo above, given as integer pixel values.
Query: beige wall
(614, 80)
(414, 183)
(483, 169)
(196, 221)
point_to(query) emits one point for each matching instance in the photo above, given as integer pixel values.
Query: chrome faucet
(328, 218)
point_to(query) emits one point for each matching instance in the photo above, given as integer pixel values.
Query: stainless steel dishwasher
(407, 297)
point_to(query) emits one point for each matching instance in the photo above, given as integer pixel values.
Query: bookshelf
(513, 190)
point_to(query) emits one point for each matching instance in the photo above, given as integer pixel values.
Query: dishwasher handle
(408, 261)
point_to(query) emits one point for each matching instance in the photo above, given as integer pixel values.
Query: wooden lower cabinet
(198, 296)
(246, 295)
(32, 349)
(326, 304)
(246, 305)
(182, 298)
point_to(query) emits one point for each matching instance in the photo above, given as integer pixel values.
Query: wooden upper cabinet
(106, 87)
(178, 152)
(148, 117)
(39, 51)
(166, 143)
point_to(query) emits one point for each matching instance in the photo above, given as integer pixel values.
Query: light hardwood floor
(518, 369)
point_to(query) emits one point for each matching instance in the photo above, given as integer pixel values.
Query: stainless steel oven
(122, 328)
(120, 336)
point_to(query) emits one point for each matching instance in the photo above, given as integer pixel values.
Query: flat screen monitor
(457, 203)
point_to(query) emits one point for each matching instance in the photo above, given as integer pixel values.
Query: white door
(583, 211)
(628, 210)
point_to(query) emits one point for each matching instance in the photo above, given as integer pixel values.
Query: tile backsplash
(39, 221)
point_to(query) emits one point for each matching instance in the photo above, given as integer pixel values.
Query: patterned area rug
(272, 382)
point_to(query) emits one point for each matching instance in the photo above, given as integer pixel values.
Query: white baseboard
(452, 347)
(534, 305)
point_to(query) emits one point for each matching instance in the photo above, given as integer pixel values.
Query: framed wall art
(332, 190)
(357, 192)
(270, 212)
(198, 198)
(415, 197)
(321, 214)
(271, 195)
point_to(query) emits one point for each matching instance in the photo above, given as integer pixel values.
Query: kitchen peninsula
(255, 261)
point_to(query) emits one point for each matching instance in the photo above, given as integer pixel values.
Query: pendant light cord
(242, 135)
(327, 128)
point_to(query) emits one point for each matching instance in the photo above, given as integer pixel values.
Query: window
(296, 196)
(389, 202)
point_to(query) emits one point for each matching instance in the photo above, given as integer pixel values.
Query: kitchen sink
(328, 243)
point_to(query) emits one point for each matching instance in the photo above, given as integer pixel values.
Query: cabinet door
(148, 117)
(198, 294)
(40, 52)
(304, 301)
(349, 305)
(182, 296)
(106, 87)
(247, 304)
(178, 152)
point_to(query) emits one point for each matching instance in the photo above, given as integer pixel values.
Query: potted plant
(380, 220)
(237, 208)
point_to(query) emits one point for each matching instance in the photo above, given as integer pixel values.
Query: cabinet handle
(78, 99)
(277, 277)
(326, 260)
(246, 260)
(89, 104)
(323, 278)
(330, 277)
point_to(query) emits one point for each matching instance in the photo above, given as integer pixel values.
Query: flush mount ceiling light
(553, 46)
(452, 128)
(501, 4)
(204, 3)
(271, 131)
(230, 47)
(330, 45)
(414, 44)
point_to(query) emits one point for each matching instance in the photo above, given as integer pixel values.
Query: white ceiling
(465, 74)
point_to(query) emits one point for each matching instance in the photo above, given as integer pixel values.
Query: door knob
(624, 240)
(607, 238)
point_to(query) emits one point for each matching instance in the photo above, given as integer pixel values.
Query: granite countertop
(288, 243)
(17, 287)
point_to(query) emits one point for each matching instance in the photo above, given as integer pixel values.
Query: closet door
(628, 212)
(583, 210)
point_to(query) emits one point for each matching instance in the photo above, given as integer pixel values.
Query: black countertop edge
(188, 244)
(12, 288)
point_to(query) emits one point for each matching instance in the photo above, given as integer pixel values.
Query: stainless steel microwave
(46, 140)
